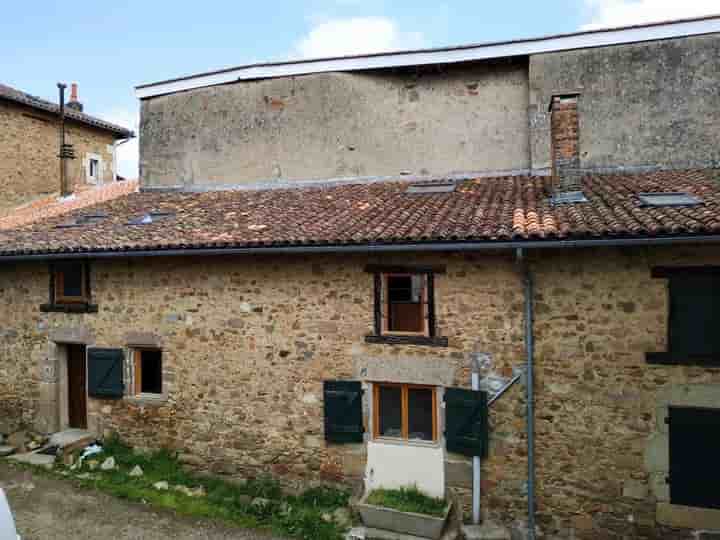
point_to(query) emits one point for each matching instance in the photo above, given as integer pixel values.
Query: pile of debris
(21, 441)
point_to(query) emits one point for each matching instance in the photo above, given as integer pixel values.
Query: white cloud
(128, 153)
(605, 13)
(355, 35)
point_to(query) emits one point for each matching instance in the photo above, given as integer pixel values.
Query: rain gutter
(309, 249)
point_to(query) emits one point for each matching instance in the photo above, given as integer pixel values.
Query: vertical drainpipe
(475, 382)
(529, 375)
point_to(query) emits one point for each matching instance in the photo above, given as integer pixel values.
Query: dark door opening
(694, 450)
(77, 386)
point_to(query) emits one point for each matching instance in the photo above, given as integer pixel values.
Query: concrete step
(6, 451)
(487, 531)
(34, 458)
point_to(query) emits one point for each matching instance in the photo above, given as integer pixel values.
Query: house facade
(328, 330)
(29, 134)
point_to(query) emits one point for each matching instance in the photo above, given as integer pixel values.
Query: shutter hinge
(667, 420)
(667, 479)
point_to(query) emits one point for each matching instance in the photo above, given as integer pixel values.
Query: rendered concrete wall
(654, 103)
(392, 466)
(463, 118)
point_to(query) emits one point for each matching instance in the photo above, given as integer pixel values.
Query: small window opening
(148, 371)
(406, 301)
(70, 283)
(405, 411)
(151, 217)
(93, 167)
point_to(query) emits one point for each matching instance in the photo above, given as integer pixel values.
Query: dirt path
(46, 508)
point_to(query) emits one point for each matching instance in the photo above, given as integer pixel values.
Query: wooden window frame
(404, 419)
(137, 372)
(385, 330)
(59, 280)
(381, 334)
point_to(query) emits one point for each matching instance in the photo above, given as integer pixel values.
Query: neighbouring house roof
(445, 55)
(487, 211)
(17, 96)
(52, 206)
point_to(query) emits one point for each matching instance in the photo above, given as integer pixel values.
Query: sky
(108, 47)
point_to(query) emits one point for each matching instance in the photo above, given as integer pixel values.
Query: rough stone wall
(653, 103)
(29, 166)
(433, 121)
(248, 341)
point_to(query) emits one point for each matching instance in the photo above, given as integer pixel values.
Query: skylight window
(437, 187)
(668, 199)
(150, 217)
(82, 220)
(568, 197)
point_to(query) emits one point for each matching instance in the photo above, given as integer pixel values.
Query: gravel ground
(46, 508)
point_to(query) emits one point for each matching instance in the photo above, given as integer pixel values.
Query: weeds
(408, 499)
(257, 503)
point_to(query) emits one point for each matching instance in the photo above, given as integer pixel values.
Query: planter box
(379, 517)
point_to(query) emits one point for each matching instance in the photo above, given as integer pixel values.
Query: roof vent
(668, 199)
(150, 217)
(568, 197)
(434, 187)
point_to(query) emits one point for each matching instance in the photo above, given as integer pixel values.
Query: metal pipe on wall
(529, 292)
(475, 381)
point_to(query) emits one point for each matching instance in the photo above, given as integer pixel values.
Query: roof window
(431, 187)
(668, 199)
(84, 219)
(151, 217)
(568, 197)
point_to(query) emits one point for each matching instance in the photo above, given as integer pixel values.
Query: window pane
(390, 413)
(72, 280)
(400, 288)
(420, 413)
(151, 365)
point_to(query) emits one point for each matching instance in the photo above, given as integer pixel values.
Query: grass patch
(257, 503)
(408, 499)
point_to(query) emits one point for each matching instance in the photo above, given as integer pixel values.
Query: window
(694, 316)
(70, 288)
(694, 446)
(71, 283)
(404, 305)
(93, 168)
(405, 411)
(148, 371)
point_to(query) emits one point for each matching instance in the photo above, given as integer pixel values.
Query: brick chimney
(74, 103)
(565, 142)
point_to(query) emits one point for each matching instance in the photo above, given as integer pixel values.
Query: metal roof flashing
(447, 55)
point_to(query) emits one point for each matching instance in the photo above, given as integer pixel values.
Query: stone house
(328, 329)
(29, 164)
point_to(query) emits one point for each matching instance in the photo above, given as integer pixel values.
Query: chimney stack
(565, 142)
(74, 103)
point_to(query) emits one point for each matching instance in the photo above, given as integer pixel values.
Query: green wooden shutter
(105, 373)
(694, 316)
(343, 411)
(466, 422)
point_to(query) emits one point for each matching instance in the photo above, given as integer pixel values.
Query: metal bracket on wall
(497, 392)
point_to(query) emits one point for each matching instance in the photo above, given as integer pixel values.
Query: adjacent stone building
(327, 330)
(29, 147)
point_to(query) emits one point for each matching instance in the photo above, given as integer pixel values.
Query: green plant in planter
(408, 499)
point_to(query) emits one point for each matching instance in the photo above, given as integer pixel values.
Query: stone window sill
(393, 441)
(407, 340)
(687, 517)
(69, 308)
(148, 399)
(668, 358)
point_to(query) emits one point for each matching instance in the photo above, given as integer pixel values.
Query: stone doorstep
(487, 531)
(6, 451)
(34, 458)
(367, 533)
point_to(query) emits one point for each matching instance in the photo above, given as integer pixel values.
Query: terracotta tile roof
(18, 96)
(54, 206)
(481, 210)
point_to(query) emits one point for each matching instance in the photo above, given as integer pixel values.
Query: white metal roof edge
(580, 40)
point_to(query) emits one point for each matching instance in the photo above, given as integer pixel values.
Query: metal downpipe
(529, 375)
